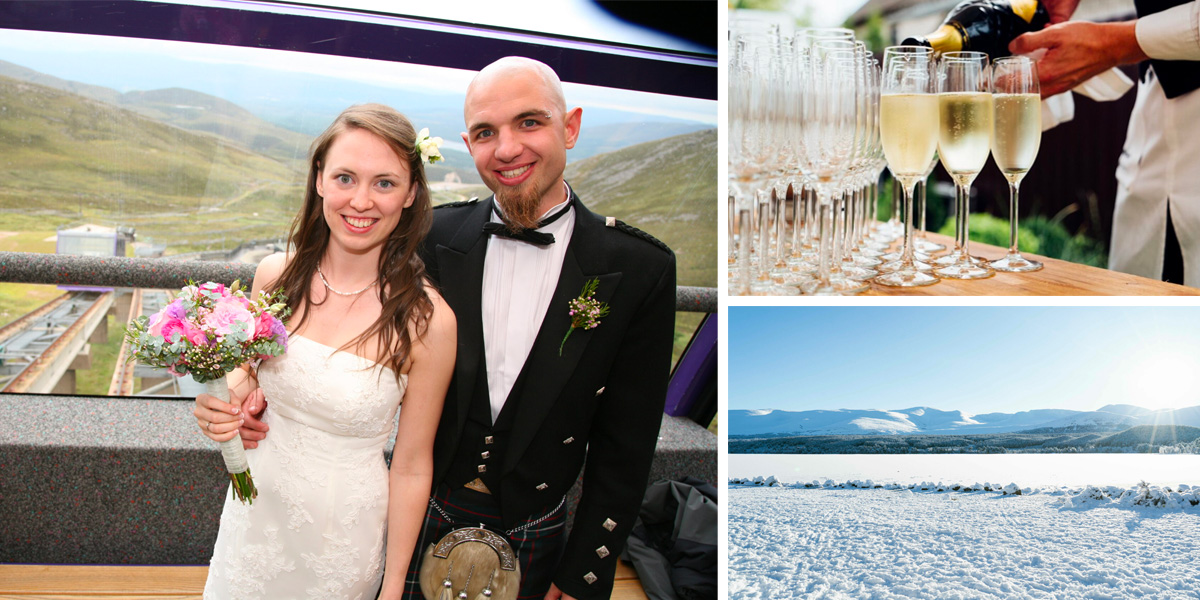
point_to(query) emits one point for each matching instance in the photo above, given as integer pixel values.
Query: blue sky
(271, 83)
(974, 359)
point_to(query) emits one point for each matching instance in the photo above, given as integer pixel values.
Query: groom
(526, 409)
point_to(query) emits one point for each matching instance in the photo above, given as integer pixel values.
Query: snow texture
(879, 541)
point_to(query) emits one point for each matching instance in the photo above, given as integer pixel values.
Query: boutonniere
(430, 148)
(585, 311)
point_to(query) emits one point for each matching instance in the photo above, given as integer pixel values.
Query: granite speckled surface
(115, 271)
(90, 480)
(160, 273)
(696, 299)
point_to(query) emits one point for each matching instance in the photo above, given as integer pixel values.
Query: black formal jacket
(599, 405)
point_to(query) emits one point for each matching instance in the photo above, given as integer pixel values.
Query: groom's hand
(557, 594)
(253, 430)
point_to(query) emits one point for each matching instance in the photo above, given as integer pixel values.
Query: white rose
(429, 147)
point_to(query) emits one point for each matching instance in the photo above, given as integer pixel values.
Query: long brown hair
(401, 270)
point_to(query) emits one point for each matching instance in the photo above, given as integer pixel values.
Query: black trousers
(1173, 255)
(538, 548)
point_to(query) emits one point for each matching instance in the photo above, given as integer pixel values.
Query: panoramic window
(150, 144)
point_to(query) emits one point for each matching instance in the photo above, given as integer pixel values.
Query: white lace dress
(318, 526)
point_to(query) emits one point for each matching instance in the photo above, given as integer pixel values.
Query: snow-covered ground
(1035, 470)
(882, 544)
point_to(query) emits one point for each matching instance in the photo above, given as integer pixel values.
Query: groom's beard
(520, 207)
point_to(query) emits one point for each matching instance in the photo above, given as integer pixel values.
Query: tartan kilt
(538, 548)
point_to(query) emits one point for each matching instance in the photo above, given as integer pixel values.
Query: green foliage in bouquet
(208, 330)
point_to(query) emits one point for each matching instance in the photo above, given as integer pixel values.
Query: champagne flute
(923, 243)
(829, 138)
(908, 117)
(964, 139)
(1017, 135)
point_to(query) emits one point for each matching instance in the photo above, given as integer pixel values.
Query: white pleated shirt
(518, 282)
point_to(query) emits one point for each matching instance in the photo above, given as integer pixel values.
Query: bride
(367, 331)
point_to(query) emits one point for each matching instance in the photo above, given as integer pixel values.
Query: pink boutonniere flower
(585, 311)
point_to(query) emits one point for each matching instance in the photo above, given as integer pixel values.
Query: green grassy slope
(70, 159)
(667, 188)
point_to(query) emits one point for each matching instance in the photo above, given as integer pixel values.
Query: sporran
(470, 563)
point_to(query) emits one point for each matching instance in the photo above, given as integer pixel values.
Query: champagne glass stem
(875, 201)
(780, 229)
(764, 237)
(923, 183)
(813, 217)
(966, 204)
(825, 209)
(731, 226)
(839, 230)
(745, 240)
(907, 256)
(797, 222)
(1013, 191)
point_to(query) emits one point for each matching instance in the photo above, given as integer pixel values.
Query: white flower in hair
(429, 147)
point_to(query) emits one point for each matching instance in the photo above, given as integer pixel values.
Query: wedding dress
(318, 525)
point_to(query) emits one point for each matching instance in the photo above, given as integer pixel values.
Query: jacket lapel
(545, 371)
(460, 265)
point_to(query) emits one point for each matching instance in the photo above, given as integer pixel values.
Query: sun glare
(1164, 378)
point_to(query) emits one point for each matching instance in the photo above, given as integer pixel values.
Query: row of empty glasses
(813, 122)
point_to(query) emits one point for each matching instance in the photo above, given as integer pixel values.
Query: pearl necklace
(330, 287)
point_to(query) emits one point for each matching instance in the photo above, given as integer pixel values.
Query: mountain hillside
(1150, 434)
(201, 112)
(188, 109)
(94, 92)
(666, 187)
(71, 159)
(601, 139)
(923, 420)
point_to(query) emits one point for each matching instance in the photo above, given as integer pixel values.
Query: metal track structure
(122, 379)
(145, 302)
(40, 347)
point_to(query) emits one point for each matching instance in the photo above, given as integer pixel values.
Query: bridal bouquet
(206, 332)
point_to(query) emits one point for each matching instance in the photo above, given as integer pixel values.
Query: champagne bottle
(985, 26)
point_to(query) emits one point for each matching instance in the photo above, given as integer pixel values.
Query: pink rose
(170, 327)
(262, 326)
(214, 287)
(157, 321)
(195, 334)
(225, 314)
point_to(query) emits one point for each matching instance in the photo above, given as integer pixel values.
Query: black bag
(673, 546)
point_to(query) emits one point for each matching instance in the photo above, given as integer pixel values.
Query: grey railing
(158, 273)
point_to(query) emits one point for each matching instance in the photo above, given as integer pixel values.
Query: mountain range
(285, 135)
(927, 421)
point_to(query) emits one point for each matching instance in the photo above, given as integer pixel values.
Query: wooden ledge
(87, 582)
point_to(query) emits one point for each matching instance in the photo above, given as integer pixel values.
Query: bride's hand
(218, 420)
(221, 421)
(253, 430)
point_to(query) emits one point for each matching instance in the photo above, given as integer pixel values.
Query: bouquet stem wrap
(232, 451)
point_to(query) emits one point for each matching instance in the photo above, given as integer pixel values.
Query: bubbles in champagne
(1017, 134)
(965, 132)
(908, 126)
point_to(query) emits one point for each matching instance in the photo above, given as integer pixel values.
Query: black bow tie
(526, 235)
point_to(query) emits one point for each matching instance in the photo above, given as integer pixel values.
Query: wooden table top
(1057, 278)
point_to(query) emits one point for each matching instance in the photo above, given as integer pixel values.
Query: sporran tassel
(486, 593)
(447, 592)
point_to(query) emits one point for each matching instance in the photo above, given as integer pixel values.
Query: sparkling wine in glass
(908, 125)
(1017, 135)
(964, 140)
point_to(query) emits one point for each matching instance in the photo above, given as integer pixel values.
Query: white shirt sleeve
(1173, 34)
